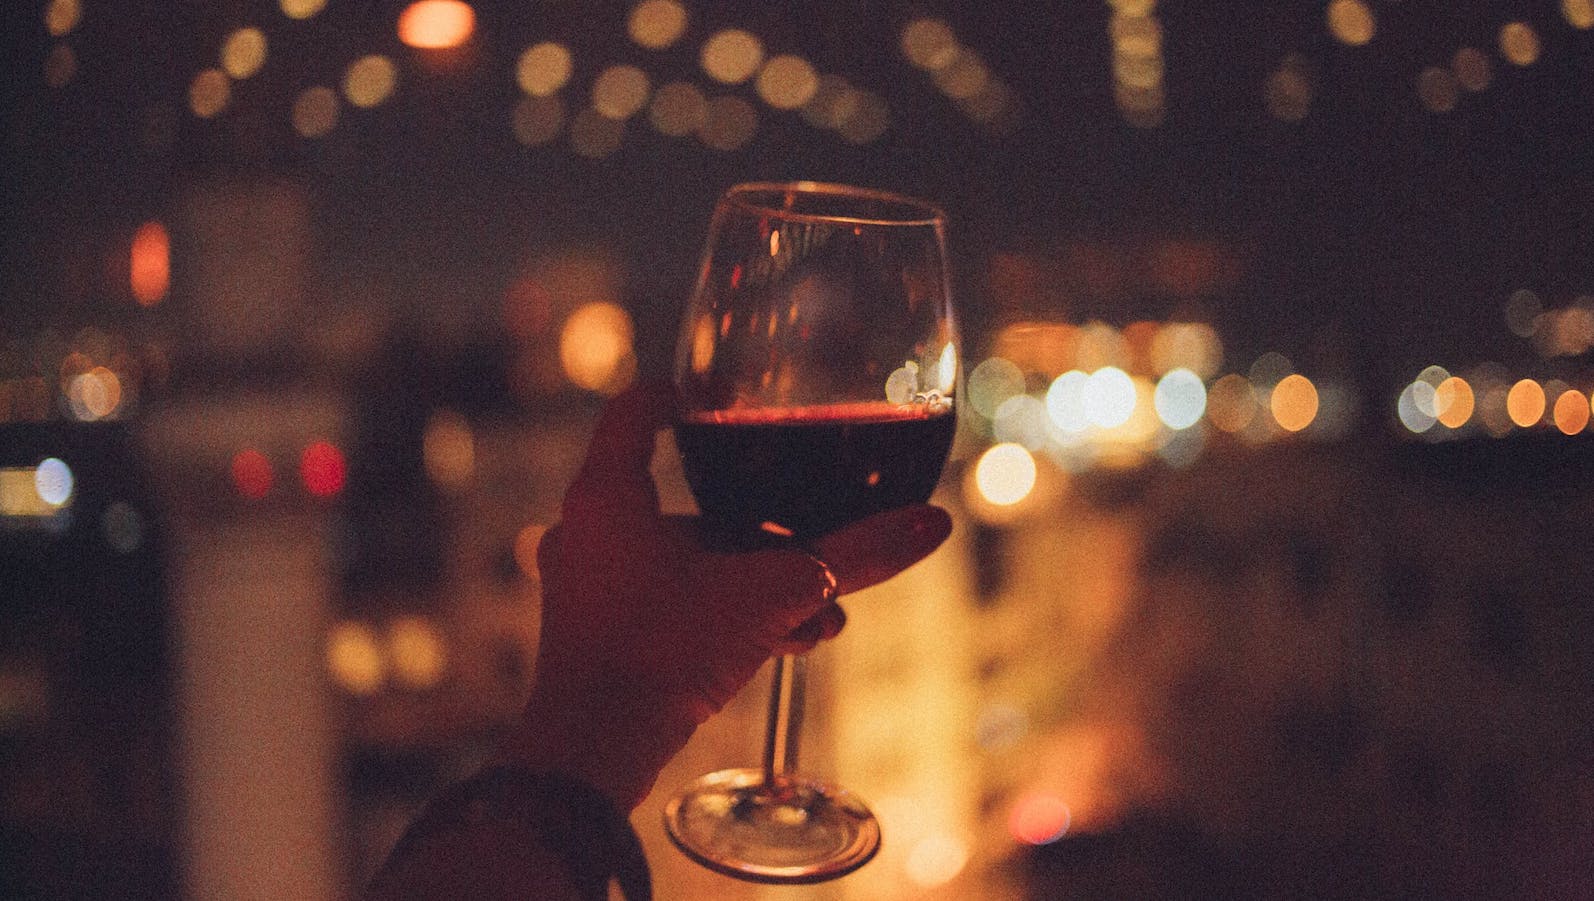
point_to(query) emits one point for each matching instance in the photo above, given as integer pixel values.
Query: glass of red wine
(817, 366)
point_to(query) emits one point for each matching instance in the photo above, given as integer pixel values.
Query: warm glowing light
(538, 120)
(903, 382)
(527, 541)
(993, 381)
(656, 24)
(1437, 90)
(1453, 402)
(322, 469)
(252, 474)
(678, 109)
(732, 56)
(946, 369)
(1005, 474)
(1191, 345)
(834, 101)
(1180, 399)
(449, 448)
(150, 270)
(209, 93)
(1039, 819)
(1288, 94)
(94, 395)
(1492, 411)
(1294, 402)
(596, 349)
(354, 658)
(936, 860)
(53, 481)
(594, 135)
(1525, 403)
(244, 52)
(965, 77)
(60, 66)
(1351, 22)
(1231, 403)
(1579, 13)
(1519, 43)
(416, 652)
(1065, 402)
(544, 68)
(1571, 412)
(729, 124)
(61, 16)
(436, 24)
(302, 9)
(787, 82)
(868, 119)
(1021, 420)
(1522, 311)
(315, 112)
(929, 44)
(620, 92)
(1109, 397)
(1471, 69)
(369, 81)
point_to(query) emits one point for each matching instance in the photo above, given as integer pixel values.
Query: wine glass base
(796, 831)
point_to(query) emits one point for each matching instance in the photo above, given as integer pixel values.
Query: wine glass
(817, 365)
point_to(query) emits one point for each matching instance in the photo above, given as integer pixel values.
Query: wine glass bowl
(817, 368)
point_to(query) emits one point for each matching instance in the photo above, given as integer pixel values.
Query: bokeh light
(595, 348)
(936, 860)
(1351, 22)
(1231, 403)
(417, 654)
(929, 44)
(1065, 402)
(1039, 819)
(729, 123)
(1579, 13)
(656, 24)
(150, 263)
(732, 56)
(1288, 93)
(369, 81)
(436, 24)
(448, 447)
(61, 16)
(992, 382)
(1294, 402)
(1437, 90)
(1519, 43)
(315, 112)
(619, 92)
(868, 118)
(301, 9)
(209, 93)
(1525, 403)
(834, 101)
(1411, 413)
(94, 395)
(1471, 68)
(1571, 412)
(1021, 420)
(252, 474)
(594, 135)
(53, 481)
(244, 52)
(1522, 311)
(60, 66)
(1453, 402)
(787, 82)
(1109, 397)
(1005, 474)
(678, 109)
(354, 658)
(538, 120)
(1180, 399)
(544, 68)
(966, 76)
(322, 469)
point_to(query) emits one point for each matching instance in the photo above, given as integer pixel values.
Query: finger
(822, 626)
(615, 478)
(873, 550)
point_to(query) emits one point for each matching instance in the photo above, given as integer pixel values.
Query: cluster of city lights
(1439, 405)
(407, 651)
(1137, 67)
(321, 468)
(95, 376)
(959, 73)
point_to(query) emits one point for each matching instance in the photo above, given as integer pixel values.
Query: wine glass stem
(785, 719)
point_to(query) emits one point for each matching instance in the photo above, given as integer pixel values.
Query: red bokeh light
(1039, 819)
(251, 474)
(322, 469)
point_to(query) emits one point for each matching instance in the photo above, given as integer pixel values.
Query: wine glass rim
(919, 212)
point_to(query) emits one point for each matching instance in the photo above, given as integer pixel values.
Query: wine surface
(811, 470)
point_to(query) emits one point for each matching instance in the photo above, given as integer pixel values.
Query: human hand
(647, 631)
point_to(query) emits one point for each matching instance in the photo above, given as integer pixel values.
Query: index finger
(615, 477)
(873, 550)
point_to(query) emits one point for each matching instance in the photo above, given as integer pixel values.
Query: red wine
(811, 470)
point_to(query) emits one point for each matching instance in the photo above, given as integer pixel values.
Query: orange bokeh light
(151, 273)
(1039, 819)
(322, 469)
(1571, 412)
(1525, 402)
(436, 24)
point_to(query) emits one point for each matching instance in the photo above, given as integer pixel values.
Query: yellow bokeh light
(527, 541)
(416, 652)
(60, 66)
(538, 120)
(787, 82)
(369, 81)
(732, 56)
(1519, 43)
(678, 109)
(965, 77)
(868, 119)
(620, 91)
(656, 24)
(354, 658)
(832, 104)
(61, 16)
(594, 135)
(244, 52)
(315, 112)
(436, 24)
(1471, 68)
(302, 9)
(150, 263)
(209, 93)
(1525, 403)
(1454, 402)
(544, 68)
(1351, 22)
(448, 447)
(1579, 13)
(1571, 412)
(936, 860)
(1288, 94)
(94, 395)
(596, 349)
(729, 123)
(1231, 404)
(929, 44)
(1294, 402)
(1437, 90)
(1005, 474)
